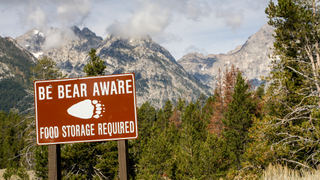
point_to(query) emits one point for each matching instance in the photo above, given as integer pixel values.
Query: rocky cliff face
(15, 63)
(251, 58)
(70, 56)
(158, 76)
(14, 60)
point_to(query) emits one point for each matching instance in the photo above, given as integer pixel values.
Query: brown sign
(100, 108)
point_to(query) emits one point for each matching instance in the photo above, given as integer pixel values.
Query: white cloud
(257, 4)
(231, 17)
(150, 21)
(36, 16)
(214, 25)
(44, 14)
(152, 17)
(73, 11)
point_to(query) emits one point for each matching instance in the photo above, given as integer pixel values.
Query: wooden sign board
(100, 108)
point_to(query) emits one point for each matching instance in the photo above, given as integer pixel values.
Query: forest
(179, 142)
(237, 133)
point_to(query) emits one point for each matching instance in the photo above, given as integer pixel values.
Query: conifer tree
(294, 90)
(45, 69)
(167, 112)
(222, 97)
(95, 66)
(237, 121)
(156, 160)
(146, 118)
(11, 139)
(192, 135)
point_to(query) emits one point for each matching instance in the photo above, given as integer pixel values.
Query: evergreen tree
(146, 118)
(293, 94)
(191, 137)
(288, 131)
(156, 157)
(212, 158)
(95, 66)
(12, 139)
(222, 97)
(167, 112)
(45, 69)
(238, 119)
(42, 160)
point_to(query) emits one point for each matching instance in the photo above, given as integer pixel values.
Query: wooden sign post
(54, 162)
(123, 157)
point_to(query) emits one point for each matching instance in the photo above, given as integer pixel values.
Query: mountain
(70, 54)
(158, 76)
(251, 58)
(15, 63)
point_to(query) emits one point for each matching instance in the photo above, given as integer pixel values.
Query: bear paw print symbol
(87, 109)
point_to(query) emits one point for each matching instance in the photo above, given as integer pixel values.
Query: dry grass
(31, 175)
(278, 172)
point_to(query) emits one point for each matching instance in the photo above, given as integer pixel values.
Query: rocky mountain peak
(33, 41)
(193, 54)
(71, 49)
(158, 76)
(251, 58)
(85, 33)
(136, 42)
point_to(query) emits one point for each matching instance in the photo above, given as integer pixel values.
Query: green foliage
(288, 131)
(260, 91)
(156, 155)
(41, 166)
(95, 66)
(89, 160)
(20, 172)
(167, 112)
(293, 95)
(12, 93)
(238, 120)
(12, 141)
(45, 69)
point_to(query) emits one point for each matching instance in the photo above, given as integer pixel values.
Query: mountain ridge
(158, 76)
(251, 58)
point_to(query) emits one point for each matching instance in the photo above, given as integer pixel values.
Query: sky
(180, 26)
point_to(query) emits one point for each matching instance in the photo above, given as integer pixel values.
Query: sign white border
(80, 78)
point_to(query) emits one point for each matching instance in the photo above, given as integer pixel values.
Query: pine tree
(222, 97)
(237, 121)
(293, 95)
(167, 112)
(42, 160)
(46, 68)
(192, 135)
(156, 160)
(95, 66)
